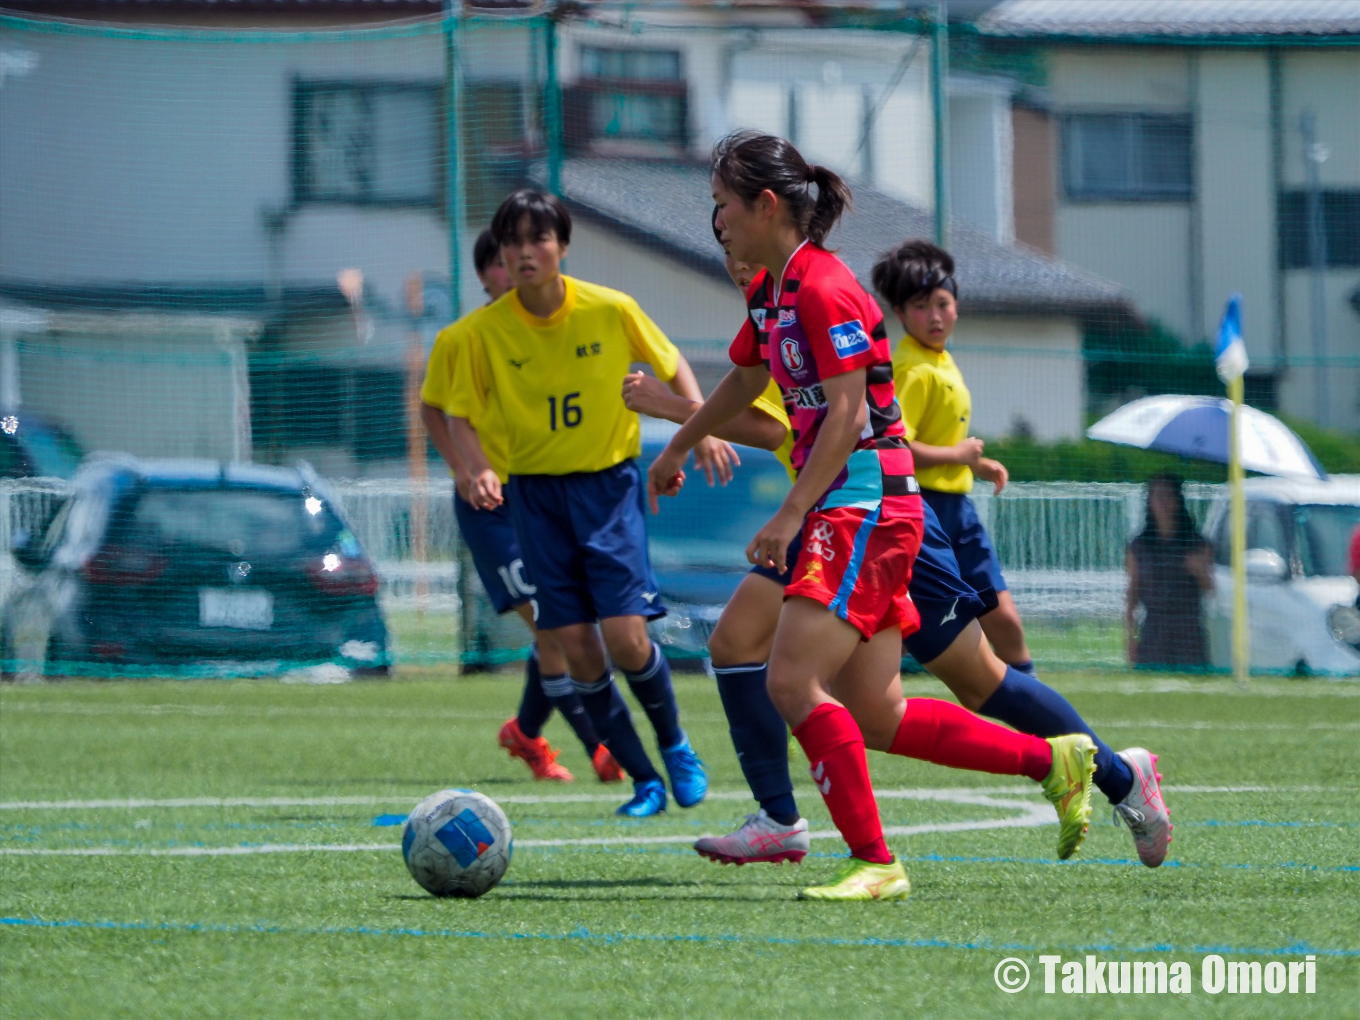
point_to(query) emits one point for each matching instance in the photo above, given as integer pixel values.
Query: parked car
(1298, 533)
(155, 565)
(33, 447)
(698, 541)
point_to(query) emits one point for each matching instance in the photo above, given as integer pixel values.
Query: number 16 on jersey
(571, 412)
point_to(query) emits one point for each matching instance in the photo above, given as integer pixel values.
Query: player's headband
(938, 279)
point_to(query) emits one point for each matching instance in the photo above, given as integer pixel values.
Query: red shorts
(858, 567)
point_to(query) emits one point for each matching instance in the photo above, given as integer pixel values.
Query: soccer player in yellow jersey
(554, 353)
(490, 538)
(916, 280)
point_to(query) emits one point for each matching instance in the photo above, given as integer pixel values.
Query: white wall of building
(1182, 259)
(1024, 372)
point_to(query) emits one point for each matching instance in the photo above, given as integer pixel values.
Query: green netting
(235, 244)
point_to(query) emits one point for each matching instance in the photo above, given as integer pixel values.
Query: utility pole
(939, 96)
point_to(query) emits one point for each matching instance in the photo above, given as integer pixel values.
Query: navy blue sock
(652, 687)
(609, 714)
(1037, 709)
(1027, 667)
(564, 698)
(534, 706)
(760, 737)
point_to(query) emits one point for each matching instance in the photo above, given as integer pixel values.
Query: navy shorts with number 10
(490, 537)
(584, 540)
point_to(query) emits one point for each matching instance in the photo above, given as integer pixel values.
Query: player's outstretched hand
(992, 471)
(715, 459)
(771, 543)
(666, 477)
(486, 491)
(646, 394)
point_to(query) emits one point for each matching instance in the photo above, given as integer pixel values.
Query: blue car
(155, 567)
(698, 541)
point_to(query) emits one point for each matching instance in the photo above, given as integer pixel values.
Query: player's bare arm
(437, 425)
(484, 487)
(648, 395)
(729, 398)
(846, 416)
(711, 455)
(967, 452)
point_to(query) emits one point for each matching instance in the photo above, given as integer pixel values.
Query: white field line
(1344, 687)
(954, 794)
(321, 712)
(1028, 815)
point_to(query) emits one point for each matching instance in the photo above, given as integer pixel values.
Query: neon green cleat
(1068, 788)
(863, 880)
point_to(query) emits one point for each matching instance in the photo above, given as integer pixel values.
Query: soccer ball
(457, 843)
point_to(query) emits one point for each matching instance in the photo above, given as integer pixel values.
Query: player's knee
(725, 647)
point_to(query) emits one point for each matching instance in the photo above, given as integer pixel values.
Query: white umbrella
(1198, 427)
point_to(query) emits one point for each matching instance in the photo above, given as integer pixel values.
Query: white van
(1298, 539)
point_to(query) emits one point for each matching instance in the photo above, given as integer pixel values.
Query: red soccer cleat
(537, 753)
(605, 766)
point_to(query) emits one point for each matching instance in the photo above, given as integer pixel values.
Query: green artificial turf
(1265, 865)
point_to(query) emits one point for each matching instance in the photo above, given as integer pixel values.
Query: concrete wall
(1182, 259)
(1024, 372)
(146, 161)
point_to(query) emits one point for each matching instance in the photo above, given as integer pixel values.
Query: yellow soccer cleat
(863, 880)
(1068, 788)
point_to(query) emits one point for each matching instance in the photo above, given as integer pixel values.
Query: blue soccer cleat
(649, 798)
(689, 782)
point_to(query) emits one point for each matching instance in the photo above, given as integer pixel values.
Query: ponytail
(748, 163)
(833, 198)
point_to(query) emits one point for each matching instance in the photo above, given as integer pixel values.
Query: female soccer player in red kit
(839, 639)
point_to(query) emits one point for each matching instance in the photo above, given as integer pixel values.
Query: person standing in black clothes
(1170, 565)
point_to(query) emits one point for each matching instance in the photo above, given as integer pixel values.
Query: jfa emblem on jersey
(787, 317)
(758, 317)
(850, 338)
(790, 354)
(819, 542)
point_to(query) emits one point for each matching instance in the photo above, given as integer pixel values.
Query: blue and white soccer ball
(457, 843)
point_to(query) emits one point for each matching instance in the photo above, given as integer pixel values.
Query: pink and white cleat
(760, 839)
(1143, 810)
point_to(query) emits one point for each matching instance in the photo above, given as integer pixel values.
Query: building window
(628, 102)
(1340, 224)
(370, 143)
(1127, 156)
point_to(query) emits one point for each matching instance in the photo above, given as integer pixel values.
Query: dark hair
(546, 214)
(748, 163)
(911, 269)
(484, 251)
(717, 234)
(1186, 533)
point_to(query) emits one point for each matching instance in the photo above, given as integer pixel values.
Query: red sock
(943, 733)
(834, 745)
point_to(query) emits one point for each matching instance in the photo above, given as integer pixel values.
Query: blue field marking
(385, 820)
(611, 938)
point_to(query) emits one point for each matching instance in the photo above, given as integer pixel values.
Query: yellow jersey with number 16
(559, 380)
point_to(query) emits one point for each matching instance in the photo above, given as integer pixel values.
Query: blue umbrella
(1197, 427)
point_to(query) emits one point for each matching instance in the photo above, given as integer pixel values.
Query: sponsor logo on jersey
(787, 317)
(850, 338)
(790, 354)
(758, 317)
(811, 397)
